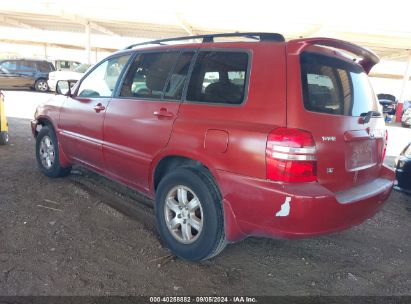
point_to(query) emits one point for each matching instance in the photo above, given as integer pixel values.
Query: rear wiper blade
(367, 116)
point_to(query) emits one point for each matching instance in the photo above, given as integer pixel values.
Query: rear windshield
(334, 86)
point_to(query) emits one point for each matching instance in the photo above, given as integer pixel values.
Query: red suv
(232, 139)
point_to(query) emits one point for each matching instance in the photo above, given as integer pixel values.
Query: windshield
(386, 102)
(334, 86)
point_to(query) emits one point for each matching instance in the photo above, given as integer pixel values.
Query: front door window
(102, 80)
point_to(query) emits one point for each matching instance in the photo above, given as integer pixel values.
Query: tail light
(291, 156)
(385, 144)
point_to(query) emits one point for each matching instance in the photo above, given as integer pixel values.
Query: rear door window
(331, 85)
(219, 77)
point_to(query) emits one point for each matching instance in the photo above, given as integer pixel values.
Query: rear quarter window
(334, 86)
(45, 67)
(219, 77)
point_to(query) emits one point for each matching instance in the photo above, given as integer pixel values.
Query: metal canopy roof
(382, 28)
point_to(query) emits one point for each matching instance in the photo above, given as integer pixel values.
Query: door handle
(99, 107)
(163, 113)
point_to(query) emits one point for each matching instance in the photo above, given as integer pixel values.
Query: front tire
(41, 85)
(47, 154)
(189, 214)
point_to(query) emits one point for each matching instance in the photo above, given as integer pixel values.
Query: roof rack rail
(210, 38)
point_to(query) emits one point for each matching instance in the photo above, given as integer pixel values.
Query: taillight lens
(291, 156)
(385, 144)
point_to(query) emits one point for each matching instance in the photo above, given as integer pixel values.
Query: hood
(386, 97)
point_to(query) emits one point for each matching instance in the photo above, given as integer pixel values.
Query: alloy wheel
(47, 152)
(183, 214)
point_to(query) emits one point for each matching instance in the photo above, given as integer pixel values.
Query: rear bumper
(52, 84)
(255, 207)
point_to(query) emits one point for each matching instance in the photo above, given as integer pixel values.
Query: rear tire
(47, 154)
(41, 85)
(4, 138)
(192, 234)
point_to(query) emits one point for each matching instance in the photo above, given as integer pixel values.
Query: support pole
(88, 45)
(45, 51)
(403, 89)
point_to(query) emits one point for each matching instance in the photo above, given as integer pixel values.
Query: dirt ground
(63, 237)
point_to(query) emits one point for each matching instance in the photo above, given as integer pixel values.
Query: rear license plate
(360, 154)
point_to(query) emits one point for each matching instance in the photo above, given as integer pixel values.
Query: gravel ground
(86, 235)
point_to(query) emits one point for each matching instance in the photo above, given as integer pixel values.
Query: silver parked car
(406, 118)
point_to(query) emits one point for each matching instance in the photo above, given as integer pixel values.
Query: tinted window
(66, 64)
(63, 65)
(148, 74)
(219, 77)
(334, 86)
(102, 80)
(177, 79)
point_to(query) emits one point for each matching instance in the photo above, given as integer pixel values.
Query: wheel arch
(168, 162)
(44, 121)
(190, 170)
(41, 79)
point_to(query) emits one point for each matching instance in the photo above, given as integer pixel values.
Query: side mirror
(63, 87)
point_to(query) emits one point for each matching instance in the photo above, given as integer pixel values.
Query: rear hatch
(388, 97)
(343, 115)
